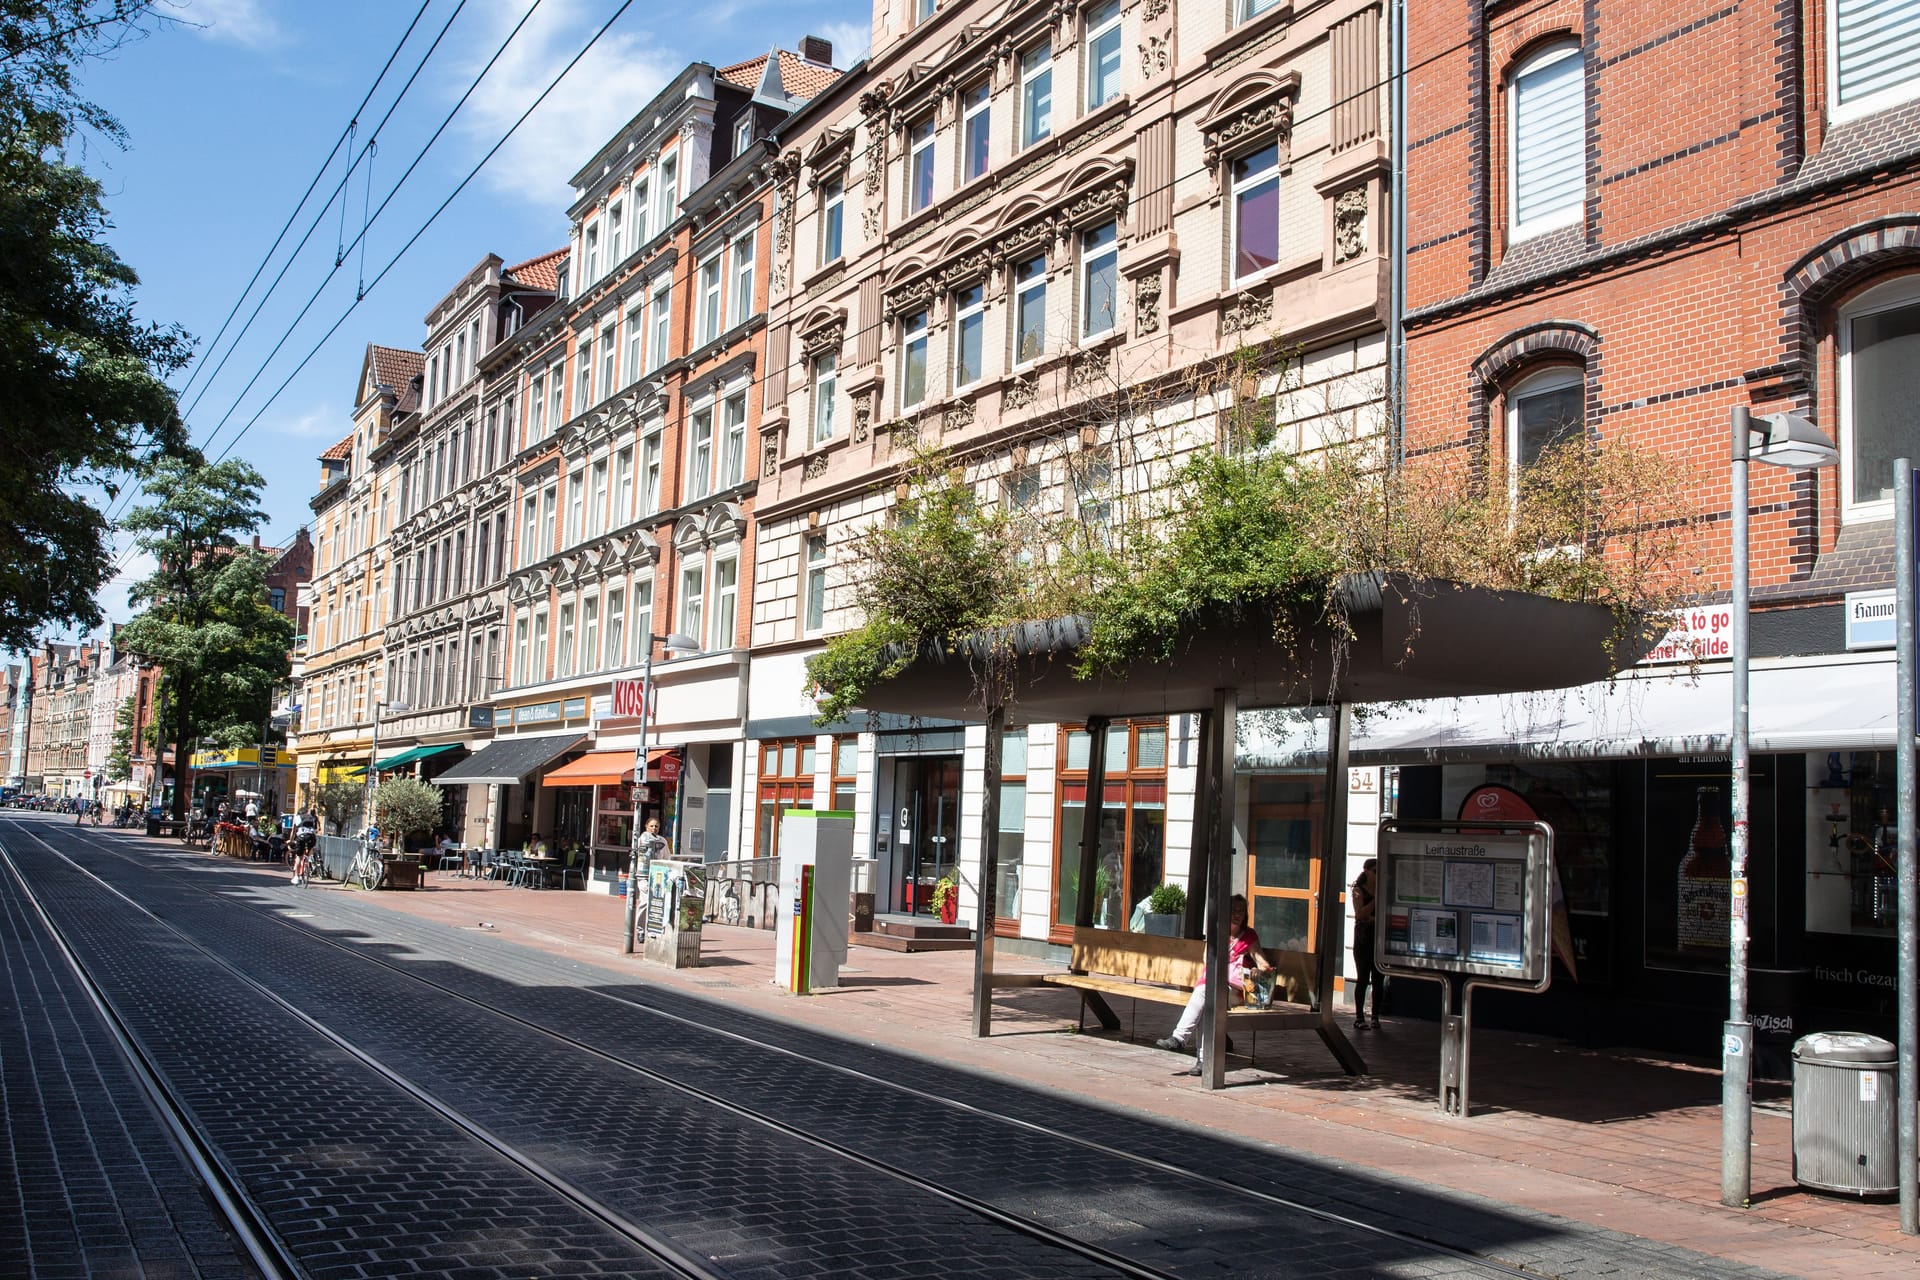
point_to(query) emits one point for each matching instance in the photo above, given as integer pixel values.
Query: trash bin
(1844, 1113)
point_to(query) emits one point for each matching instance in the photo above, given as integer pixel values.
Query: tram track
(1401, 1241)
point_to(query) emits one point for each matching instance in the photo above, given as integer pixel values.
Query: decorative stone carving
(870, 221)
(1249, 311)
(959, 416)
(862, 418)
(1271, 113)
(902, 435)
(1155, 53)
(1084, 372)
(784, 170)
(1020, 393)
(912, 296)
(876, 106)
(1154, 8)
(827, 338)
(770, 456)
(815, 468)
(1146, 305)
(1350, 209)
(778, 283)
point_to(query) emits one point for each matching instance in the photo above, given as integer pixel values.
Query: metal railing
(743, 891)
(337, 853)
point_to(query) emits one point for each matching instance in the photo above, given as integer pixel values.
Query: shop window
(786, 782)
(1852, 836)
(846, 768)
(1879, 384)
(1012, 862)
(1132, 824)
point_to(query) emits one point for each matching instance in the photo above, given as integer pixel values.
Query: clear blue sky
(232, 108)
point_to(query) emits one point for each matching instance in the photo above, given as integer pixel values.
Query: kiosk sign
(1472, 902)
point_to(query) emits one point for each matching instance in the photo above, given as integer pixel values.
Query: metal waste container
(1845, 1113)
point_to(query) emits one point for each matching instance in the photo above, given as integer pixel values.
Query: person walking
(1365, 913)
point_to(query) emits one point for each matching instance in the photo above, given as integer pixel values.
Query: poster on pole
(1467, 899)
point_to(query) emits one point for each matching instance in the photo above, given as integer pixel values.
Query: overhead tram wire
(444, 204)
(126, 498)
(1169, 182)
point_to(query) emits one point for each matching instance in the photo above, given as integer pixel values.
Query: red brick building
(1636, 217)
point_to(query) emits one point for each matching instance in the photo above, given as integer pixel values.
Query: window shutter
(1549, 141)
(1878, 46)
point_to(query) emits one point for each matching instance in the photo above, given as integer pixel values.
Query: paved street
(793, 1153)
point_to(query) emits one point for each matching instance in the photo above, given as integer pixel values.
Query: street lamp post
(373, 757)
(1785, 441)
(640, 860)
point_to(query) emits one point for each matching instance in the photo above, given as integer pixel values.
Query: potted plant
(1165, 907)
(946, 899)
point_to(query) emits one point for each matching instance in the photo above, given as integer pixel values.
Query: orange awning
(595, 769)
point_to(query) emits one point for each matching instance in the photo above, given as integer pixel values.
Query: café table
(540, 864)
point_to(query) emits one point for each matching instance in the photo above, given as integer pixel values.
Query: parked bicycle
(368, 868)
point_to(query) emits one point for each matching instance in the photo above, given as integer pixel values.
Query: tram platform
(1619, 1140)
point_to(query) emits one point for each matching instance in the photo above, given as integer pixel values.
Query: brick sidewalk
(1612, 1139)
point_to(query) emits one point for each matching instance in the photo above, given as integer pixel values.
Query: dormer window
(742, 135)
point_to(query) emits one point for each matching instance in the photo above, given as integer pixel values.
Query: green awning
(411, 754)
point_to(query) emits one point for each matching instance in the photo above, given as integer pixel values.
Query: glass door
(927, 795)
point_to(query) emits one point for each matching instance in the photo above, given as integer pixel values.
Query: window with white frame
(522, 654)
(614, 214)
(1873, 57)
(537, 409)
(1254, 8)
(1547, 140)
(591, 240)
(924, 9)
(550, 518)
(623, 511)
(1256, 211)
(913, 360)
(609, 349)
(538, 671)
(616, 620)
(597, 500)
(1543, 409)
(742, 134)
(1036, 94)
(1092, 473)
(563, 658)
(642, 212)
(1029, 311)
(642, 618)
(583, 373)
(742, 277)
(636, 341)
(590, 633)
(699, 478)
(693, 585)
(920, 165)
(833, 200)
(662, 322)
(556, 394)
(726, 602)
(1103, 53)
(669, 190)
(1099, 279)
(1879, 386)
(969, 335)
(529, 530)
(733, 448)
(710, 298)
(976, 120)
(816, 603)
(576, 505)
(824, 383)
(652, 450)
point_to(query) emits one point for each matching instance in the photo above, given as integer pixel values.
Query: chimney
(817, 50)
(256, 542)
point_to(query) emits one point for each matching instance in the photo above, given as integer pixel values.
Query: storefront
(594, 799)
(265, 774)
(508, 810)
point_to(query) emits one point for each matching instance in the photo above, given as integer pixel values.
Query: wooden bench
(1146, 966)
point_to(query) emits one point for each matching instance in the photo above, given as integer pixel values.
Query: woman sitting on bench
(1244, 948)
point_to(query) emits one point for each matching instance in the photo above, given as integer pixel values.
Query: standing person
(1243, 953)
(253, 810)
(1365, 913)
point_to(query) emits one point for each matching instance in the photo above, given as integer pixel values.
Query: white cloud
(241, 22)
(618, 76)
(315, 424)
(850, 40)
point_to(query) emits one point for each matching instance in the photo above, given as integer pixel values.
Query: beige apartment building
(1017, 235)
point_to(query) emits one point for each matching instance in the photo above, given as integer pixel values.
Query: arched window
(1543, 409)
(1879, 384)
(1546, 141)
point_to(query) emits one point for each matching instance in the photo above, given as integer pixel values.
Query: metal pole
(373, 758)
(1907, 981)
(1736, 1076)
(636, 858)
(1217, 794)
(989, 871)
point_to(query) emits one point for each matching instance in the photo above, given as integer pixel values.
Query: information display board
(1474, 902)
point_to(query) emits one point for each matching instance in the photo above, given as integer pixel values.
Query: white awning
(1842, 703)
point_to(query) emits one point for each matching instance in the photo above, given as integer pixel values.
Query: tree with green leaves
(120, 755)
(205, 620)
(85, 381)
(406, 806)
(339, 802)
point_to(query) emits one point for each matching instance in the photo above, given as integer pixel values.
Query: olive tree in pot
(406, 807)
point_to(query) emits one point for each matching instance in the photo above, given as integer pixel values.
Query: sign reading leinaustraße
(1700, 634)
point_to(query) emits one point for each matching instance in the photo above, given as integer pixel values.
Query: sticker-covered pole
(1736, 1080)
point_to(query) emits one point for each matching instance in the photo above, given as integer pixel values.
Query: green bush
(1167, 900)
(407, 807)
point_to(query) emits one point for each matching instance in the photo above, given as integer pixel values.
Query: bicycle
(367, 868)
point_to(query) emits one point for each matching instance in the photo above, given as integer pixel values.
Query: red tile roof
(541, 273)
(393, 367)
(340, 452)
(800, 78)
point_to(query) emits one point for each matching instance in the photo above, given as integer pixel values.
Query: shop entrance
(926, 815)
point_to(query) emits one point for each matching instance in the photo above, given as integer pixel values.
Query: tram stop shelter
(1402, 639)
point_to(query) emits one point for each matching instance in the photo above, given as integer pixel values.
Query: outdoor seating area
(515, 868)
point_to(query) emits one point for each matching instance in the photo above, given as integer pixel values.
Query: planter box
(1167, 925)
(402, 873)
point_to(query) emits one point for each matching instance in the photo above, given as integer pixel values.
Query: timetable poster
(1458, 901)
